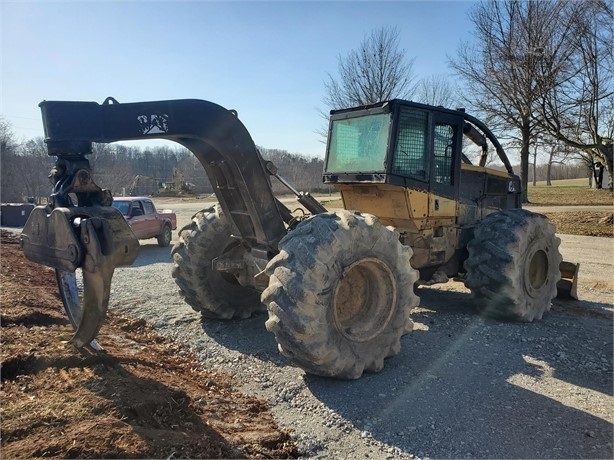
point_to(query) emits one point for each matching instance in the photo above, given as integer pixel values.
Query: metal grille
(443, 151)
(410, 153)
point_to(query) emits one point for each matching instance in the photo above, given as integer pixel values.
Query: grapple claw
(97, 274)
(102, 239)
(71, 292)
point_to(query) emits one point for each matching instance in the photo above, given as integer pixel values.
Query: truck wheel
(165, 237)
(513, 265)
(216, 295)
(340, 293)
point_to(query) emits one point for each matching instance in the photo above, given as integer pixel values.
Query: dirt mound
(587, 223)
(144, 397)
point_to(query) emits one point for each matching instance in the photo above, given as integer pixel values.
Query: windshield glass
(123, 206)
(359, 144)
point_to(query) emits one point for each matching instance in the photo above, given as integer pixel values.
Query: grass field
(568, 192)
(583, 182)
(560, 193)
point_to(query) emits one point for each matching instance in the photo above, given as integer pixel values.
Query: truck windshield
(359, 144)
(123, 206)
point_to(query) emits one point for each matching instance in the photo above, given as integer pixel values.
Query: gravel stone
(461, 387)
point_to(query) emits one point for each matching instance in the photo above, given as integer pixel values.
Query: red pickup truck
(140, 213)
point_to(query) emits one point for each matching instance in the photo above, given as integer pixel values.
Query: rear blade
(567, 287)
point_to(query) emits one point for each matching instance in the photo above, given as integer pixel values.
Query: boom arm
(212, 133)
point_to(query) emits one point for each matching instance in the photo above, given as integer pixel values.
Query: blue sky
(267, 60)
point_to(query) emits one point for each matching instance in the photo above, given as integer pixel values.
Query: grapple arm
(91, 237)
(212, 133)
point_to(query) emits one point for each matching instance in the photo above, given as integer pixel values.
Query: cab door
(152, 218)
(137, 220)
(446, 144)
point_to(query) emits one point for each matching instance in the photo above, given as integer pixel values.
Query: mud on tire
(214, 294)
(513, 265)
(340, 294)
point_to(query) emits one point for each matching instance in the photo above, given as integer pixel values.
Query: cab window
(149, 207)
(359, 144)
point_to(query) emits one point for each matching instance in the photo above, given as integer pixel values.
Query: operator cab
(404, 160)
(396, 142)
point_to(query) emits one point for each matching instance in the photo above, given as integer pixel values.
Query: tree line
(25, 168)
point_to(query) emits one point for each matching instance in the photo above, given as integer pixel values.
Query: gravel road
(462, 386)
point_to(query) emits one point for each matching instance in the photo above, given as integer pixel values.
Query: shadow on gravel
(454, 302)
(583, 308)
(152, 254)
(465, 386)
(552, 329)
(247, 336)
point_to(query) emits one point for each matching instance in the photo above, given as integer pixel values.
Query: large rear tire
(216, 295)
(513, 265)
(340, 294)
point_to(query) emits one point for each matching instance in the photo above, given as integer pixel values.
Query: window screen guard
(443, 153)
(410, 158)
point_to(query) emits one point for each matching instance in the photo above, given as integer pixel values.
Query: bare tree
(556, 154)
(111, 170)
(24, 167)
(9, 173)
(7, 137)
(304, 173)
(377, 71)
(436, 90)
(194, 173)
(503, 69)
(36, 165)
(534, 154)
(578, 107)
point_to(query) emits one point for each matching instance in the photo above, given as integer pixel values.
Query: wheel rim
(365, 299)
(536, 273)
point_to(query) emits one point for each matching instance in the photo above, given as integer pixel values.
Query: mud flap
(567, 287)
(95, 239)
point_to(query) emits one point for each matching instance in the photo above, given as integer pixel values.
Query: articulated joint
(73, 175)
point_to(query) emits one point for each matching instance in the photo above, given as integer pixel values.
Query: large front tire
(213, 294)
(340, 294)
(513, 265)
